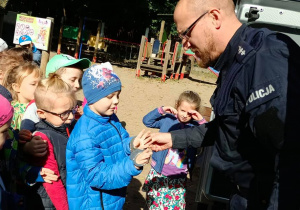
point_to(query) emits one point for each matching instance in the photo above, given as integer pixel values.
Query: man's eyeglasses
(65, 115)
(187, 32)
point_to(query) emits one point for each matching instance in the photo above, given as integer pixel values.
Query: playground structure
(79, 40)
(163, 57)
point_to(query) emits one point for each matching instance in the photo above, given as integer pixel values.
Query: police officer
(255, 131)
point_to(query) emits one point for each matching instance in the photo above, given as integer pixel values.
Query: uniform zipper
(224, 91)
(224, 95)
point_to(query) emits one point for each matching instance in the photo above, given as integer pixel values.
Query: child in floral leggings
(166, 182)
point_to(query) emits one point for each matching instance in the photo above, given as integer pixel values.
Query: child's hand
(80, 110)
(170, 110)
(36, 147)
(48, 175)
(195, 115)
(24, 136)
(144, 157)
(142, 140)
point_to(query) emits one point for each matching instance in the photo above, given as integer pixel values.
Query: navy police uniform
(255, 131)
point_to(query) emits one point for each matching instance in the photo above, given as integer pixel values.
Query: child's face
(4, 133)
(26, 89)
(61, 113)
(183, 111)
(107, 105)
(72, 76)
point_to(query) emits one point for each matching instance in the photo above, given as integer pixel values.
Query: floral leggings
(164, 192)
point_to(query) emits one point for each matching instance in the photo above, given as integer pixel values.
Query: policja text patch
(263, 93)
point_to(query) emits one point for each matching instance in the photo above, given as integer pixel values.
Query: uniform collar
(227, 57)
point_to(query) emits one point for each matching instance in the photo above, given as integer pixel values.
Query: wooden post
(151, 49)
(161, 32)
(102, 29)
(192, 59)
(182, 60)
(174, 57)
(78, 38)
(139, 62)
(166, 60)
(46, 54)
(97, 41)
(60, 35)
(147, 32)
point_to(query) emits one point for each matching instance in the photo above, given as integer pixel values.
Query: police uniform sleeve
(268, 96)
(272, 107)
(195, 136)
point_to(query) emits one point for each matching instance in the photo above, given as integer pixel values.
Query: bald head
(197, 6)
(206, 27)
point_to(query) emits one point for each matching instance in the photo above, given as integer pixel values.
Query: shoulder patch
(263, 93)
(243, 50)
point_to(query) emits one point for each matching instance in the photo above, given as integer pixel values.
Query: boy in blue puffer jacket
(100, 156)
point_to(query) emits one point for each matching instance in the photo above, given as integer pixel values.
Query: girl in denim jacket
(165, 184)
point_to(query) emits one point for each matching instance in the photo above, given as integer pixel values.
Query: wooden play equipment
(68, 35)
(78, 40)
(162, 58)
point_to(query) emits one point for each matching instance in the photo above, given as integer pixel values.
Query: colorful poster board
(37, 28)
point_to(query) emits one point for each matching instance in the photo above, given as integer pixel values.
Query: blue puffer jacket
(98, 164)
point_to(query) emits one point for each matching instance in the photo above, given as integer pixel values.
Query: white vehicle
(277, 15)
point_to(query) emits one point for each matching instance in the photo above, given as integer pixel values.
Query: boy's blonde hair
(17, 75)
(190, 97)
(48, 90)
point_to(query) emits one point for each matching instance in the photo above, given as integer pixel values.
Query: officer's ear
(216, 18)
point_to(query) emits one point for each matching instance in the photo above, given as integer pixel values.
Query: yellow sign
(37, 28)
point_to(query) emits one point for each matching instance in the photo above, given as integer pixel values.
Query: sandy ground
(142, 94)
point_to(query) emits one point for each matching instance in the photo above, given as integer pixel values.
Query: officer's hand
(195, 115)
(36, 147)
(160, 141)
(48, 175)
(170, 110)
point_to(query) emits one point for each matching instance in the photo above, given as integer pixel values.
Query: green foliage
(162, 10)
(124, 20)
